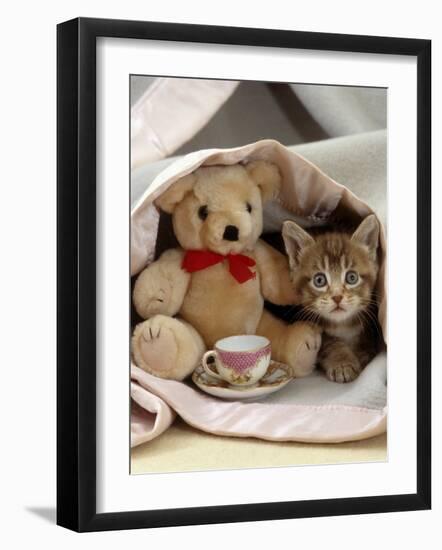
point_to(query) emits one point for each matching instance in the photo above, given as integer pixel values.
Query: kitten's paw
(346, 372)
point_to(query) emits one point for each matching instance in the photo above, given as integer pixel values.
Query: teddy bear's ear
(267, 176)
(175, 194)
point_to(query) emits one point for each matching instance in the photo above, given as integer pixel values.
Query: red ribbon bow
(196, 260)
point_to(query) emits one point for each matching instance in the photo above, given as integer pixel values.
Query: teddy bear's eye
(249, 207)
(203, 212)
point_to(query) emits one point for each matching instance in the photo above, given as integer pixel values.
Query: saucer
(276, 377)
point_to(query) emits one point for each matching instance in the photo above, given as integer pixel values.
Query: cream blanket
(311, 409)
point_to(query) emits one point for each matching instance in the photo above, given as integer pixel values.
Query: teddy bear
(214, 285)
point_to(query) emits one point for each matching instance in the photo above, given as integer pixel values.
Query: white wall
(27, 123)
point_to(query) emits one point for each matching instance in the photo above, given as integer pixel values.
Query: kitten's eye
(203, 212)
(319, 280)
(249, 207)
(351, 277)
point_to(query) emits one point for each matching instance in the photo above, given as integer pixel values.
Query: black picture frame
(76, 274)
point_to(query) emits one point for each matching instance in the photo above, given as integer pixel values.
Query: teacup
(239, 360)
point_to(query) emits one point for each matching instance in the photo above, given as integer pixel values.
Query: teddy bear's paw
(304, 359)
(157, 346)
(154, 300)
(160, 288)
(167, 347)
(158, 300)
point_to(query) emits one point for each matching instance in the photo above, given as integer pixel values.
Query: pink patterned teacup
(239, 360)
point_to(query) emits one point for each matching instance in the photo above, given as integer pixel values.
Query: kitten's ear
(295, 239)
(368, 234)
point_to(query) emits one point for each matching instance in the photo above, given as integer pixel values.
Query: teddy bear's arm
(273, 268)
(162, 286)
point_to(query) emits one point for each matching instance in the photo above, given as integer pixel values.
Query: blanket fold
(306, 410)
(283, 418)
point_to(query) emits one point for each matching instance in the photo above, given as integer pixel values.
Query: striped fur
(334, 275)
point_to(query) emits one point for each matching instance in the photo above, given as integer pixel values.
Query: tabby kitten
(334, 274)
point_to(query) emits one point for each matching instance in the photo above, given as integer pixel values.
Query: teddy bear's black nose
(231, 233)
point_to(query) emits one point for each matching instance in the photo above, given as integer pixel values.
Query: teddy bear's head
(220, 208)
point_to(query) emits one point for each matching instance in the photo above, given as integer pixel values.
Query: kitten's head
(334, 273)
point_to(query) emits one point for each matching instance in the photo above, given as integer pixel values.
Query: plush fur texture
(186, 313)
(334, 275)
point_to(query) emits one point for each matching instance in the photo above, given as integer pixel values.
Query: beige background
(182, 449)
(305, 115)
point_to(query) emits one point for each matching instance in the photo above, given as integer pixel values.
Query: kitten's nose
(337, 299)
(231, 233)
